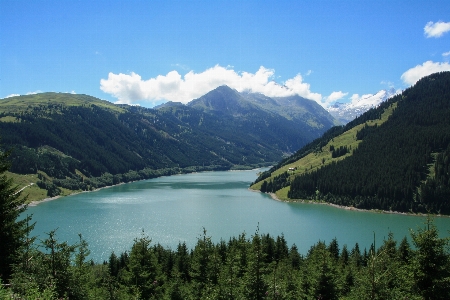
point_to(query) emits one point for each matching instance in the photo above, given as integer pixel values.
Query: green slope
(22, 104)
(401, 164)
(78, 142)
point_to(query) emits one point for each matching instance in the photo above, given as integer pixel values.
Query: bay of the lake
(175, 209)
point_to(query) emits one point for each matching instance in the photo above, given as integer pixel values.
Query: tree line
(244, 267)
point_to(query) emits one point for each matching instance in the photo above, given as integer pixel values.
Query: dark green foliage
(261, 267)
(26, 160)
(435, 191)
(431, 263)
(277, 183)
(142, 273)
(390, 168)
(341, 151)
(52, 189)
(13, 231)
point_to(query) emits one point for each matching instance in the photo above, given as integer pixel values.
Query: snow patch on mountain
(346, 112)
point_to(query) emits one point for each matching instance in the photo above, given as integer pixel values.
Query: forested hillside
(400, 164)
(77, 142)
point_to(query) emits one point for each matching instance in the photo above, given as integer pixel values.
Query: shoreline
(274, 197)
(37, 202)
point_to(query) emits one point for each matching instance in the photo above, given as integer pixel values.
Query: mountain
(168, 104)
(78, 142)
(345, 112)
(393, 157)
(288, 122)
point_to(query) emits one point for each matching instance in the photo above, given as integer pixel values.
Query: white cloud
(411, 76)
(334, 96)
(437, 29)
(34, 93)
(130, 88)
(12, 95)
(445, 54)
(29, 93)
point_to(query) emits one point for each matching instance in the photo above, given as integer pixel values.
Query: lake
(176, 209)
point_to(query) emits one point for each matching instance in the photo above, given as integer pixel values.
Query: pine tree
(255, 287)
(143, 272)
(431, 263)
(13, 232)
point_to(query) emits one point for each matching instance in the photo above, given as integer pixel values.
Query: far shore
(36, 202)
(274, 197)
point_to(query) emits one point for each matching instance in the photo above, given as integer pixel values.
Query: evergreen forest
(245, 267)
(78, 143)
(397, 164)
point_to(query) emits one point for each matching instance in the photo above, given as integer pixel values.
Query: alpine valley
(62, 143)
(395, 157)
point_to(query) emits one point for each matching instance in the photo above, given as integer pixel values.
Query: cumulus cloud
(445, 54)
(129, 88)
(411, 76)
(334, 96)
(437, 29)
(12, 95)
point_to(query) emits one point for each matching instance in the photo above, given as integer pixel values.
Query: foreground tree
(13, 232)
(431, 264)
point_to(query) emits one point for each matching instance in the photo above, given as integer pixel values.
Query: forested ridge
(77, 142)
(401, 165)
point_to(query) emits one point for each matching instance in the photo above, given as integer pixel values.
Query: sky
(150, 52)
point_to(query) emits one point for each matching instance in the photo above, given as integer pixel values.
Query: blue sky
(148, 52)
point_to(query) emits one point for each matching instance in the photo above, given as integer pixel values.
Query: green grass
(315, 160)
(23, 103)
(9, 119)
(33, 192)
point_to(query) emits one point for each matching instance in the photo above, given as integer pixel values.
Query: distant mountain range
(346, 112)
(78, 142)
(394, 157)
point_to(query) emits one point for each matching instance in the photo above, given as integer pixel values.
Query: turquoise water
(176, 209)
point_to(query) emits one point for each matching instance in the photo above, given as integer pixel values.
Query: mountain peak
(223, 99)
(346, 112)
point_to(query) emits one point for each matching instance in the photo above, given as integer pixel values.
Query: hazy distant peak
(346, 112)
(169, 104)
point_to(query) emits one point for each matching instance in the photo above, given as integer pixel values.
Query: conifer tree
(143, 272)
(255, 287)
(431, 263)
(13, 232)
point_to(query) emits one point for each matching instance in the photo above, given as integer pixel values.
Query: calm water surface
(176, 209)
